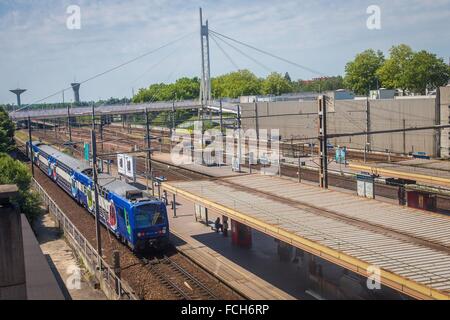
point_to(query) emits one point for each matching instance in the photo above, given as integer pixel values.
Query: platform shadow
(261, 260)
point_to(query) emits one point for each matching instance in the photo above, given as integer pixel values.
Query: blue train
(138, 221)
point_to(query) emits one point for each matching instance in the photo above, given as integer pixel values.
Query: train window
(148, 215)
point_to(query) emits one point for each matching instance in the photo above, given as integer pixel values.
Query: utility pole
(239, 137)
(404, 136)
(437, 121)
(221, 117)
(323, 142)
(368, 124)
(101, 129)
(257, 123)
(30, 142)
(68, 123)
(299, 170)
(173, 119)
(95, 182)
(149, 144)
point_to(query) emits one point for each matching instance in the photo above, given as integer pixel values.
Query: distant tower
(205, 85)
(76, 91)
(18, 92)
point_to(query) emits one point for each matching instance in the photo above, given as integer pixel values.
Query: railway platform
(410, 247)
(428, 172)
(237, 268)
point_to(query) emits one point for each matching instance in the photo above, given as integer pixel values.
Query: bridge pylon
(205, 84)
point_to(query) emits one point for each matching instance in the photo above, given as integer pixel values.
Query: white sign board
(365, 186)
(252, 159)
(126, 165)
(121, 164)
(361, 188)
(235, 164)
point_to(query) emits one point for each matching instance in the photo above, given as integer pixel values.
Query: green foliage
(15, 172)
(276, 84)
(425, 71)
(361, 73)
(7, 128)
(182, 89)
(392, 73)
(319, 85)
(404, 69)
(235, 84)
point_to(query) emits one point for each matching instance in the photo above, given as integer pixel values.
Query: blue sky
(39, 53)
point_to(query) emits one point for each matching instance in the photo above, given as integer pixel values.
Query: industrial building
(298, 120)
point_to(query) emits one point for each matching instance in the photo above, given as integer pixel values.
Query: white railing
(121, 289)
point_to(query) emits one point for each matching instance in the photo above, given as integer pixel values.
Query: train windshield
(148, 215)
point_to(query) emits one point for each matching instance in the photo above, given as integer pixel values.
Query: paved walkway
(242, 269)
(64, 263)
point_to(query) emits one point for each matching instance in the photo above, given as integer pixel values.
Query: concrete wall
(445, 119)
(299, 120)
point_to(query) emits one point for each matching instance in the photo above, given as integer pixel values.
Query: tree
(235, 84)
(182, 89)
(7, 143)
(287, 77)
(276, 84)
(319, 85)
(425, 71)
(360, 74)
(15, 172)
(393, 72)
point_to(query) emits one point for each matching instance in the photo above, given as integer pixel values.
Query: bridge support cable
(268, 53)
(225, 53)
(242, 53)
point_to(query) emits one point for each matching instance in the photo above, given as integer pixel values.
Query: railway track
(336, 180)
(175, 277)
(178, 280)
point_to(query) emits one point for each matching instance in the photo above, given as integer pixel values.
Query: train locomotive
(137, 220)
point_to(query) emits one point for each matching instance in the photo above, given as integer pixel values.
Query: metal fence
(115, 285)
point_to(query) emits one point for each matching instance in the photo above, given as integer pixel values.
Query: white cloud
(38, 51)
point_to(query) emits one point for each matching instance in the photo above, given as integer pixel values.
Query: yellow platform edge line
(399, 283)
(420, 177)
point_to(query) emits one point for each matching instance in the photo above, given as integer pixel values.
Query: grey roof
(115, 185)
(71, 162)
(106, 181)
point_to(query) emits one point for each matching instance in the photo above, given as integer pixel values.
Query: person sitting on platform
(218, 226)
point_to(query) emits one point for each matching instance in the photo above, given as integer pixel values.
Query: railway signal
(31, 146)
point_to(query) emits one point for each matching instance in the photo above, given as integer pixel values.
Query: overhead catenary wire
(108, 70)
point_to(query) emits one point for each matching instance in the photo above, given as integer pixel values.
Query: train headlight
(164, 230)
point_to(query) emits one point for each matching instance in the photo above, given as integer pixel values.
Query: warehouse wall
(299, 120)
(445, 119)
